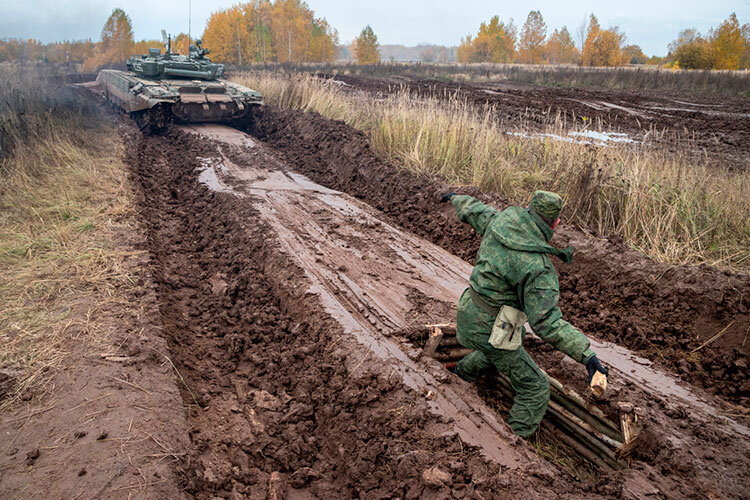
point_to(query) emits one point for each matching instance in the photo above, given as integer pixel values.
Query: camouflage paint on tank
(163, 87)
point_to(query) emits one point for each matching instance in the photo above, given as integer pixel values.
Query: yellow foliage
(531, 44)
(602, 47)
(261, 31)
(560, 48)
(366, 47)
(727, 44)
(495, 42)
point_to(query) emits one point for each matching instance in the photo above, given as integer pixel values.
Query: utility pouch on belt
(507, 332)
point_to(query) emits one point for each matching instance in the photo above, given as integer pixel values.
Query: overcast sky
(652, 24)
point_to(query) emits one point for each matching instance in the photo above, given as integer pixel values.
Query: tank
(161, 88)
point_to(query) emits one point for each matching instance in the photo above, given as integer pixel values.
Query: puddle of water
(581, 137)
(220, 133)
(209, 178)
(604, 137)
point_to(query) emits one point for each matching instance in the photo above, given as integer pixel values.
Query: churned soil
(679, 121)
(610, 292)
(273, 401)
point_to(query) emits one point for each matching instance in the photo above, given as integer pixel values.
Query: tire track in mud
(610, 291)
(273, 388)
(268, 387)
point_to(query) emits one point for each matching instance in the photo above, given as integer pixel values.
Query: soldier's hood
(519, 229)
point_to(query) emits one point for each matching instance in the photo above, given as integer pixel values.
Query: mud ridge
(609, 291)
(267, 385)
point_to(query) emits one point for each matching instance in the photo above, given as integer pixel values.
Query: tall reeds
(672, 207)
(64, 205)
(626, 77)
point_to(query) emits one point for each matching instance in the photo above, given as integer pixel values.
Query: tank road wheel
(152, 121)
(141, 119)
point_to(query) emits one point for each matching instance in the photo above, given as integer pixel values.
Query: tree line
(725, 47)
(262, 31)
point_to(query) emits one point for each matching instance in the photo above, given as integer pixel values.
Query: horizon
(441, 24)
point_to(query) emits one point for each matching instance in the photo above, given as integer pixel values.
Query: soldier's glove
(593, 365)
(447, 197)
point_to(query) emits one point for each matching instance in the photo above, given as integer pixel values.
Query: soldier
(514, 280)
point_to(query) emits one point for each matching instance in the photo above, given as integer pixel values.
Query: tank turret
(194, 66)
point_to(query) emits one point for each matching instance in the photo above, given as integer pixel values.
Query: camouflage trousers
(529, 383)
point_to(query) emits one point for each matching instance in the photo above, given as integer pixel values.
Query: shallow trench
(272, 385)
(276, 396)
(663, 313)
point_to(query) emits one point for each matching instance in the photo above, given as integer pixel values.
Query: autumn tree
(262, 31)
(691, 50)
(116, 42)
(727, 44)
(366, 47)
(531, 43)
(495, 42)
(117, 36)
(560, 48)
(181, 44)
(602, 47)
(633, 54)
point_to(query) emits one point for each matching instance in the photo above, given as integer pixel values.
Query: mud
(706, 124)
(274, 388)
(610, 292)
(283, 301)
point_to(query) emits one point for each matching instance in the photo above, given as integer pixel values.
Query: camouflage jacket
(513, 267)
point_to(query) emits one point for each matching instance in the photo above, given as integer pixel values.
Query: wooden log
(448, 342)
(443, 326)
(436, 335)
(630, 427)
(586, 416)
(596, 447)
(453, 355)
(574, 398)
(584, 435)
(612, 443)
(276, 490)
(599, 384)
(578, 447)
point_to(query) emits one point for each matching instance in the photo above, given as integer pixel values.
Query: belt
(482, 304)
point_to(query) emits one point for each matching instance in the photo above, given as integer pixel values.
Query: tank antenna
(190, 23)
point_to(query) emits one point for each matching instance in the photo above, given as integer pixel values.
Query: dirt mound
(270, 396)
(609, 291)
(719, 125)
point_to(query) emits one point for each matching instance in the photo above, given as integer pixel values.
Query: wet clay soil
(703, 123)
(610, 292)
(275, 387)
(270, 387)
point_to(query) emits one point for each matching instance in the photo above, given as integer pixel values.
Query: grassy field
(64, 199)
(671, 207)
(624, 78)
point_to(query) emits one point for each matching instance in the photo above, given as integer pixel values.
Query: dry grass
(626, 77)
(64, 199)
(674, 208)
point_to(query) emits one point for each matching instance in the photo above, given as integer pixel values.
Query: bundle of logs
(570, 418)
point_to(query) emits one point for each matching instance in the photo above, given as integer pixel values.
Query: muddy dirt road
(286, 303)
(678, 309)
(715, 126)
